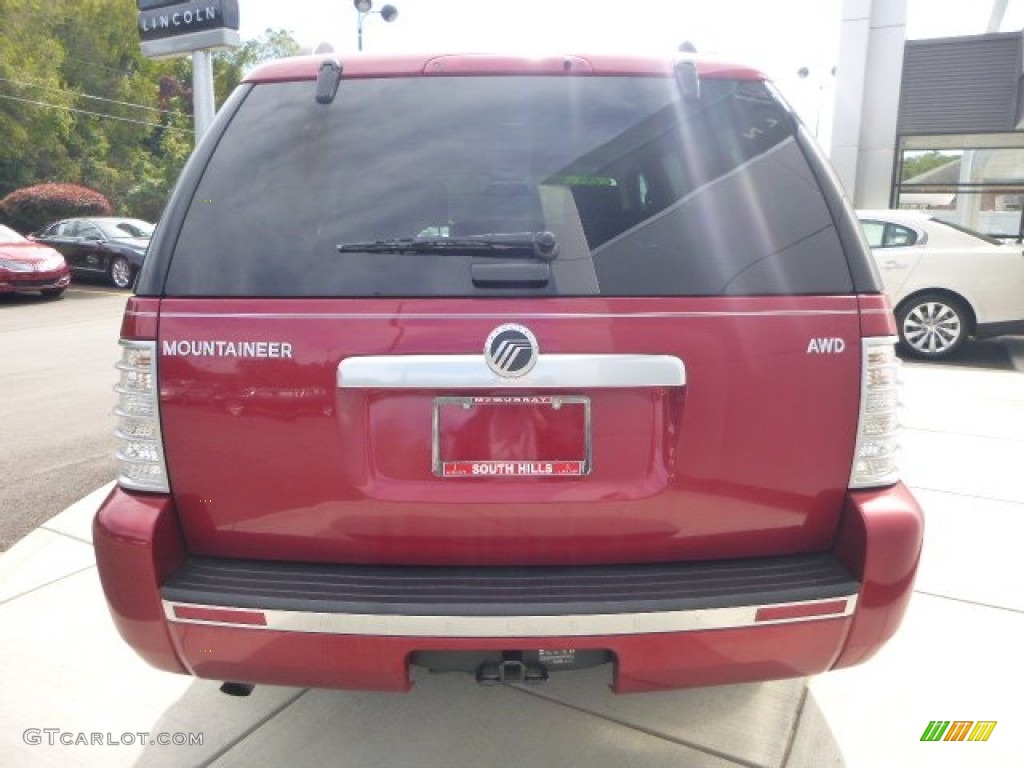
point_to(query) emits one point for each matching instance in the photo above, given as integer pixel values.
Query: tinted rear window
(647, 195)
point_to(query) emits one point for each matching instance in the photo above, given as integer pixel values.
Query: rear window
(646, 194)
(882, 234)
(122, 228)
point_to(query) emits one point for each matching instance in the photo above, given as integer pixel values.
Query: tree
(104, 65)
(231, 66)
(77, 98)
(917, 163)
(79, 102)
(34, 121)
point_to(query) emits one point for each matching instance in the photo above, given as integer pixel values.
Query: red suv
(510, 366)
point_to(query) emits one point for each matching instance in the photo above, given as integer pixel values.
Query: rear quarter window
(647, 194)
(887, 235)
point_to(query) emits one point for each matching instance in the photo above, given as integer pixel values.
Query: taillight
(140, 452)
(876, 458)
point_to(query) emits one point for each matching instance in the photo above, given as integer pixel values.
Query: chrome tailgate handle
(557, 371)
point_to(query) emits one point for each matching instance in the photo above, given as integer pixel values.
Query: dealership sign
(174, 28)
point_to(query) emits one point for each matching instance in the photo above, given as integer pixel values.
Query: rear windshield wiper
(537, 245)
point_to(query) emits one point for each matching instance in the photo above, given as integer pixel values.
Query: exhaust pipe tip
(236, 689)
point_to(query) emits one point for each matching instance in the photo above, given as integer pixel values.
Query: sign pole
(203, 106)
(169, 28)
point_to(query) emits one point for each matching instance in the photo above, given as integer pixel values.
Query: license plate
(513, 436)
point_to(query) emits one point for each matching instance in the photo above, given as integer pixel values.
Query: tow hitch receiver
(511, 671)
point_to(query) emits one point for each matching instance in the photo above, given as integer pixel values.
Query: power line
(92, 114)
(95, 64)
(28, 84)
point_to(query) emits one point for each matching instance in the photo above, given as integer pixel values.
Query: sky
(780, 37)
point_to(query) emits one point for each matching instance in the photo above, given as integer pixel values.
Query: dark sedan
(104, 246)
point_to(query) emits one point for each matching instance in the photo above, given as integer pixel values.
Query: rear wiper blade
(538, 245)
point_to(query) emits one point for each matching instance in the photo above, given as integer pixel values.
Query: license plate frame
(518, 468)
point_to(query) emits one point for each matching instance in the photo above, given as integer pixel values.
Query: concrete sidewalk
(67, 675)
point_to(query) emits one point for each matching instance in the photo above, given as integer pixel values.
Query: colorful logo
(958, 730)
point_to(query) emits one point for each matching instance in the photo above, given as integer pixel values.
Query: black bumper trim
(1006, 328)
(508, 591)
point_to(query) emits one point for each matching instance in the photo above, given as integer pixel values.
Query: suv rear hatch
(365, 357)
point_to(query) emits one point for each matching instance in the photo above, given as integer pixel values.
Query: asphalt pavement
(57, 367)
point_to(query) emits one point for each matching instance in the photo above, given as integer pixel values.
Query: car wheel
(53, 293)
(121, 272)
(932, 326)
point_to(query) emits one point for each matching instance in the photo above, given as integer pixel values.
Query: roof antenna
(327, 81)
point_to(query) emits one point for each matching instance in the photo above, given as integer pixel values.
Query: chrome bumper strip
(589, 625)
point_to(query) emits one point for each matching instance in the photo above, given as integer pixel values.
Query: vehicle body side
(988, 278)
(91, 252)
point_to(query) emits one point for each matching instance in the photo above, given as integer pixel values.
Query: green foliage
(31, 208)
(33, 136)
(917, 163)
(231, 66)
(79, 103)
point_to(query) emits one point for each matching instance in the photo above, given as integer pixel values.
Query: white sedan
(945, 282)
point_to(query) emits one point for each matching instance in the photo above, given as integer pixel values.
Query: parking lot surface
(57, 368)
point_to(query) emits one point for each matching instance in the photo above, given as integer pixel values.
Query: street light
(365, 7)
(804, 73)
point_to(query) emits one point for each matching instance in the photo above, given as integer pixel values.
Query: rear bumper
(25, 282)
(666, 626)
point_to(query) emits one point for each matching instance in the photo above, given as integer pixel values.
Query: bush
(31, 208)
